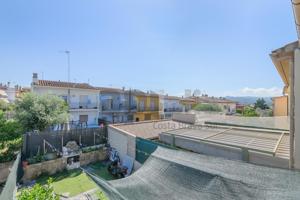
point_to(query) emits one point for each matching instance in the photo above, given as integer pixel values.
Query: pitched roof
(141, 93)
(111, 90)
(172, 97)
(61, 84)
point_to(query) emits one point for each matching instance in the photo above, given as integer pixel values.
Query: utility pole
(67, 52)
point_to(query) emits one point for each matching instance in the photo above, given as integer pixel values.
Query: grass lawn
(100, 169)
(73, 182)
(70, 183)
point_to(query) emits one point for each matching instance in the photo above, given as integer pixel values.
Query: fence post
(44, 146)
(25, 143)
(94, 138)
(62, 142)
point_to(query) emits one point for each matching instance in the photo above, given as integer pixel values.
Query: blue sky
(221, 47)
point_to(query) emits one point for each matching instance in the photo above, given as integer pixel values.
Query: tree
(38, 112)
(249, 112)
(39, 192)
(3, 105)
(9, 129)
(261, 103)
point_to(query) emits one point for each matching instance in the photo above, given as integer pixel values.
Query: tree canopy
(38, 112)
(261, 103)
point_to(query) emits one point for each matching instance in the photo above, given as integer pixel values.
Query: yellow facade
(280, 106)
(147, 107)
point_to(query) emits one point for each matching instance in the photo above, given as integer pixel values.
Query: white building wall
(296, 104)
(172, 104)
(75, 110)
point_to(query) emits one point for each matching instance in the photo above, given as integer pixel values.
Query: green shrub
(39, 192)
(9, 149)
(250, 112)
(208, 107)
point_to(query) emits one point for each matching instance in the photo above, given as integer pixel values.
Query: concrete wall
(123, 142)
(184, 117)
(224, 151)
(267, 160)
(202, 147)
(53, 166)
(4, 170)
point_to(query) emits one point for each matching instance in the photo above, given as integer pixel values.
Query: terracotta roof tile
(64, 84)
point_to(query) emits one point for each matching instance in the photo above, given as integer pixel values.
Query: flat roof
(276, 123)
(275, 143)
(150, 129)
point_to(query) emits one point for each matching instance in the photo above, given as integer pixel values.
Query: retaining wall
(53, 166)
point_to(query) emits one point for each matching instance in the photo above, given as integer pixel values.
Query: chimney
(34, 78)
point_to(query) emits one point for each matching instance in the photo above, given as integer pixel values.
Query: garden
(72, 183)
(38, 114)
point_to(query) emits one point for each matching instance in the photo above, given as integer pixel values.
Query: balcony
(173, 110)
(83, 106)
(119, 108)
(147, 109)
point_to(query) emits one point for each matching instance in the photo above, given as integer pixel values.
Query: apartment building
(116, 105)
(82, 98)
(148, 106)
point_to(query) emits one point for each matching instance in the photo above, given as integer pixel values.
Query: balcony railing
(147, 109)
(115, 108)
(173, 109)
(83, 106)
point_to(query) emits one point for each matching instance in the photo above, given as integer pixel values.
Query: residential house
(187, 103)
(10, 93)
(82, 98)
(280, 106)
(287, 62)
(226, 105)
(172, 104)
(116, 105)
(148, 106)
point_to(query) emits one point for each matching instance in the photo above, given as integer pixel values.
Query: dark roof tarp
(174, 174)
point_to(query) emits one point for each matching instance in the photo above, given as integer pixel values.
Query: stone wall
(53, 166)
(4, 170)
(91, 157)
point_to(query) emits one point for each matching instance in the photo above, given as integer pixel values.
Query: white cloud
(257, 92)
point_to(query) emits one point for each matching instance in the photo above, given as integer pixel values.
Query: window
(83, 101)
(83, 118)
